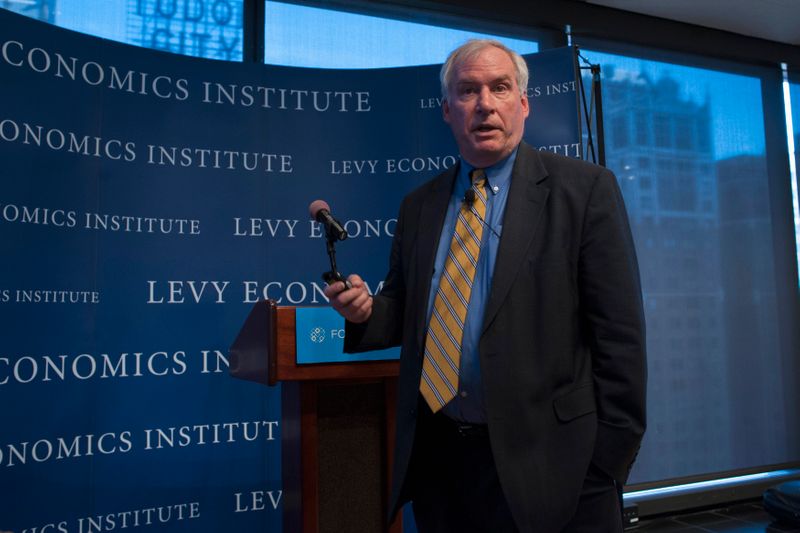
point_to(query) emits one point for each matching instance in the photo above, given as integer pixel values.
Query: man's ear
(525, 105)
(446, 111)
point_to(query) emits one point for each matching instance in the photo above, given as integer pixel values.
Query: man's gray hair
(470, 50)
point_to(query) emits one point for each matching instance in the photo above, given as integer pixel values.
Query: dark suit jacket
(562, 350)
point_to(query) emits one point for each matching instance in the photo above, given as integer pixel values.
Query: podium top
(265, 351)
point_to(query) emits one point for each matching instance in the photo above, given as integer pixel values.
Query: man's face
(484, 108)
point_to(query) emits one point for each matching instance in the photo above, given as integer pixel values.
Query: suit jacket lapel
(526, 200)
(432, 215)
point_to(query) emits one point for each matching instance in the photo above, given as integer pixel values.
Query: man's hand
(354, 304)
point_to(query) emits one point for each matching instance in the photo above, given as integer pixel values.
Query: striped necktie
(439, 381)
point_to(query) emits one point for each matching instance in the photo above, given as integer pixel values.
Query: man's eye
(502, 88)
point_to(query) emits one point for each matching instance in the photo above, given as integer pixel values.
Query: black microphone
(469, 197)
(321, 212)
(469, 201)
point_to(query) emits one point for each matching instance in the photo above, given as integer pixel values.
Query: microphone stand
(333, 275)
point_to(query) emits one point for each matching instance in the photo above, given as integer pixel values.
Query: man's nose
(485, 101)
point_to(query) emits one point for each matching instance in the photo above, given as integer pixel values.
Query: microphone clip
(469, 198)
(469, 201)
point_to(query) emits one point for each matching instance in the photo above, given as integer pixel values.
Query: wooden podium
(337, 427)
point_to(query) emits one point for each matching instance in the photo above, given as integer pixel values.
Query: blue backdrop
(147, 200)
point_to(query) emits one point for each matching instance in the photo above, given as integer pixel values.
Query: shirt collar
(497, 175)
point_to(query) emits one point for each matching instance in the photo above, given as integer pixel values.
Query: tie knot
(478, 177)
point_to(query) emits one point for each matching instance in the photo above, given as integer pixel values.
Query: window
(661, 125)
(794, 91)
(619, 129)
(303, 36)
(642, 129)
(202, 28)
(706, 253)
(684, 134)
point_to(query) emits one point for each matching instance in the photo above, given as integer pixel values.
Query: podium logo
(317, 335)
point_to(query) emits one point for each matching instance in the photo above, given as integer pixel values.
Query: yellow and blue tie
(439, 381)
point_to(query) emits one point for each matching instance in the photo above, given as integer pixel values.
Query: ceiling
(775, 20)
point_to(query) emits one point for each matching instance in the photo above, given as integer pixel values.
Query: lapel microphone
(469, 197)
(469, 201)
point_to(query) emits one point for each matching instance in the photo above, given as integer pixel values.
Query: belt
(472, 430)
(463, 429)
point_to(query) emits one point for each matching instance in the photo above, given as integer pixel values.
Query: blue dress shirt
(468, 405)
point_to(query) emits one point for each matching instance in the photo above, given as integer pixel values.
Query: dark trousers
(455, 488)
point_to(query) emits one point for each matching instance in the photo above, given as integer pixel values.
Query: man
(514, 292)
